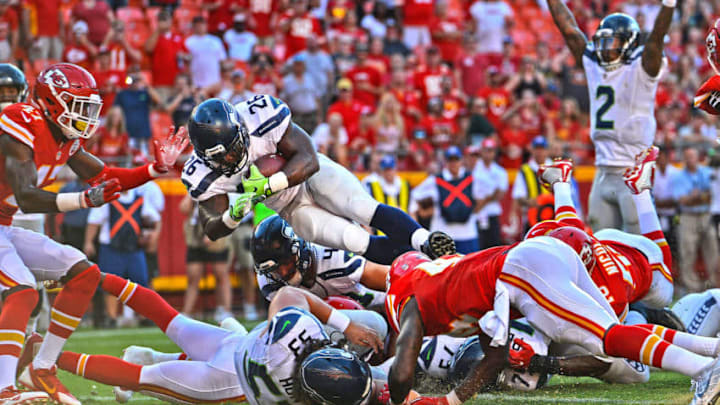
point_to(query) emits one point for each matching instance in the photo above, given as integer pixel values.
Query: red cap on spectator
(488, 143)
(472, 150)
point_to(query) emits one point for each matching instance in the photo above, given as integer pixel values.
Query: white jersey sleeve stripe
(273, 122)
(12, 129)
(204, 184)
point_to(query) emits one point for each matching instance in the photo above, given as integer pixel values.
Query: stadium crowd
(381, 85)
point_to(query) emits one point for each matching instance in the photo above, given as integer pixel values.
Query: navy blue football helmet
(332, 376)
(219, 135)
(615, 39)
(11, 76)
(465, 359)
(274, 244)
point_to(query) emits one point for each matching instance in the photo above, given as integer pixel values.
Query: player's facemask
(81, 117)
(611, 48)
(230, 162)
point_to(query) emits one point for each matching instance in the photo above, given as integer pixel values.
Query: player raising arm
(622, 78)
(36, 140)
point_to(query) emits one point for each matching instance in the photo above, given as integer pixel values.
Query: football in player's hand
(270, 164)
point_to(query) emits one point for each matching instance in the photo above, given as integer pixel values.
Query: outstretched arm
(565, 21)
(211, 216)
(653, 53)
(302, 162)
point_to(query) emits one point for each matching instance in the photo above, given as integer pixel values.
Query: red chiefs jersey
(261, 12)
(428, 80)
(452, 292)
(637, 271)
(301, 27)
(26, 124)
(418, 12)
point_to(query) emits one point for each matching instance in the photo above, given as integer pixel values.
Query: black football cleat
(659, 316)
(438, 244)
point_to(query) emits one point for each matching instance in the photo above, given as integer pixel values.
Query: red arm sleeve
(129, 178)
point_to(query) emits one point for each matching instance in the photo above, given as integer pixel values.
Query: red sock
(659, 238)
(142, 300)
(13, 320)
(72, 302)
(635, 343)
(663, 332)
(103, 369)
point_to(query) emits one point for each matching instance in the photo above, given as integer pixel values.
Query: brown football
(270, 164)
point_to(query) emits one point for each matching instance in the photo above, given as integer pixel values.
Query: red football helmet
(340, 302)
(403, 264)
(580, 241)
(542, 228)
(69, 97)
(712, 41)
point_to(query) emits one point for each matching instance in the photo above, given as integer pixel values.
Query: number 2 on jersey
(609, 94)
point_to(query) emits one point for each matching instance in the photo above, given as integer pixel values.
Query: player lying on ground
(318, 197)
(283, 258)
(221, 365)
(36, 140)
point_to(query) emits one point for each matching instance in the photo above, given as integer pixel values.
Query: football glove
(520, 358)
(642, 175)
(559, 171)
(256, 183)
(243, 205)
(168, 149)
(104, 192)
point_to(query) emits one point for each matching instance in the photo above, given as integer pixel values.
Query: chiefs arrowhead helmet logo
(56, 78)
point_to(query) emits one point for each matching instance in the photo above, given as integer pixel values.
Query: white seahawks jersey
(524, 381)
(267, 119)
(338, 273)
(700, 312)
(436, 353)
(622, 104)
(265, 359)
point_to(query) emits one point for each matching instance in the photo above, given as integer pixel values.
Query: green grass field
(664, 388)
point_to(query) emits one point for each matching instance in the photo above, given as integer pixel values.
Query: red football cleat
(11, 396)
(46, 380)
(32, 344)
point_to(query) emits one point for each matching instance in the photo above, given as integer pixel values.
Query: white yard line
(547, 399)
(116, 332)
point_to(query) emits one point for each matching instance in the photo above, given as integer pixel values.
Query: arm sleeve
(129, 178)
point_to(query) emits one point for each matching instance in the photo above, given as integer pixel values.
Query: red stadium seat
(184, 16)
(151, 14)
(129, 14)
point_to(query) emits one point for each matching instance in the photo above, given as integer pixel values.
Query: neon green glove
(256, 183)
(242, 206)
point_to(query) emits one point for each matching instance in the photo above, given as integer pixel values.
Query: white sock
(419, 237)
(563, 194)
(647, 216)
(704, 346)
(8, 364)
(49, 351)
(684, 362)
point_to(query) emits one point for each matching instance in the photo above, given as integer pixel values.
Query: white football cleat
(559, 171)
(232, 324)
(139, 355)
(642, 175)
(707, 385)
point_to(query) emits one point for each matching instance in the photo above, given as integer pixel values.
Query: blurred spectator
(344, 59)
(374, 22)
(120, 224)
(421, 154)
(220, 14)
(239, 40)
(479, 127)
(264, 78)
(323, 69)
(572, 80)
(79, 50)
(122, 55)
(497, 97)
(48, 41)
(528, 78)
(168, 54)
(98, 16)
(347, 105)
(109, 81)
(665, 204)
(135, 102)
(362, 140)
(389, 188)
(494, 183)
(453, 101)
(528, 193)
(532, 113)
(700, 132)
(393, 43)
(453, 193)
(408, 97)
(261, 19)
(490, 17)
(111, 140)
(206, 51)
(427, 77)
(443, 131)
(571, 127)
(366, 78)
(302, 96)
(513, 140)
(9, 31)
(238, 92)
(470, 66)
(389, 126)
(298, 24)
(331, 139)
(446, 32)
(350, 29)
(691, 190)
(186, 97)
(202, 252)
(416, 18)
(376, 57)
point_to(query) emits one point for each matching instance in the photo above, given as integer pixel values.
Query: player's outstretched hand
(520, 358)
(102, 193)
(168, 149)
(642, 176)
(559, 171)
(430, 401)
(363, 336)
(256, 183)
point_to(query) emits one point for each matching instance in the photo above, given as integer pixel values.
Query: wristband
(338, 320)
(669, 3)
(153, 172)
(228, 221)
(70, 201)
(452, 398)
(278, 181)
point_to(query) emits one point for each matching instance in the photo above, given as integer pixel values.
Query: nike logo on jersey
(285, 326)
